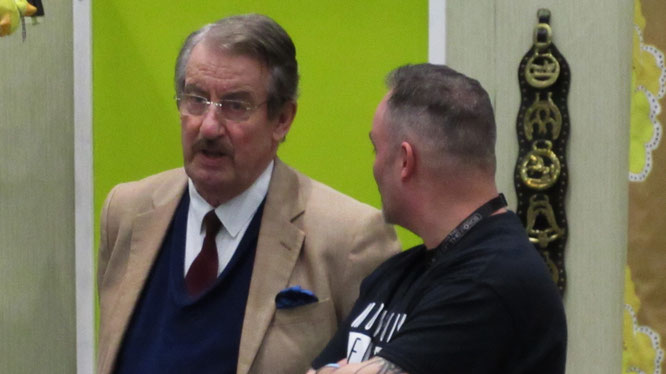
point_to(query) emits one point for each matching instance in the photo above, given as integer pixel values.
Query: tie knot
(211, 223)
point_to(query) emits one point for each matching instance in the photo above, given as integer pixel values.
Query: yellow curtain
(645, 280)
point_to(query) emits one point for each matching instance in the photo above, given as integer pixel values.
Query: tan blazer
(311, 235)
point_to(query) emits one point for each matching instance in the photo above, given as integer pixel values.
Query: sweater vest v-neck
(170, 332)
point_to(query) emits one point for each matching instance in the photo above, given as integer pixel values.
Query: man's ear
(284, 120)
(407, 160)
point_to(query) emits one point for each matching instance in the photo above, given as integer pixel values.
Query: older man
(476, 296)
(236, 263)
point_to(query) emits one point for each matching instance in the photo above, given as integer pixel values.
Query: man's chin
(205, 178)
(207, 167)
(210, 161)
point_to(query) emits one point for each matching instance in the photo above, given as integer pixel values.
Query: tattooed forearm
(379, 365)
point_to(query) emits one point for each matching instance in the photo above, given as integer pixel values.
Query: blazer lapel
(148, 231)
(278, 247)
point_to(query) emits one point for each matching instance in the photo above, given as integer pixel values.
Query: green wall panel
(344, 50)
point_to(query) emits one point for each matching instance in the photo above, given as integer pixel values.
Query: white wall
(37, 297)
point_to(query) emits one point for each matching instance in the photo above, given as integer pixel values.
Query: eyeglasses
(231, 109)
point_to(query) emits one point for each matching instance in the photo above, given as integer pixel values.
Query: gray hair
(448, 112)
(252, 35)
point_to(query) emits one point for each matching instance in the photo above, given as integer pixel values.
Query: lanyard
(463, 228)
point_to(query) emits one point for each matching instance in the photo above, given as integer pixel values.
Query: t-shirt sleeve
(462, 327)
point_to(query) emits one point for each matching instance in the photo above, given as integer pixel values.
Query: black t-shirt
(485, 305)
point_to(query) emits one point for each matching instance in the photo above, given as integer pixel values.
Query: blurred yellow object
(11, 12)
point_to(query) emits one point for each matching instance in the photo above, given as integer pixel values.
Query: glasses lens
(193, 104)
(235, 110)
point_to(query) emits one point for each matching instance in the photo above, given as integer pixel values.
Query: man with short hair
(476, 297)
(235, 263)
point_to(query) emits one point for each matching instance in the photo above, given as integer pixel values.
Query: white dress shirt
(235, 215)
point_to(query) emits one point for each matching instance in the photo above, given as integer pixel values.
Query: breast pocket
(295, 337)
(319, 311)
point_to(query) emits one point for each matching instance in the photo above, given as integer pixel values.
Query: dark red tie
(203, 271)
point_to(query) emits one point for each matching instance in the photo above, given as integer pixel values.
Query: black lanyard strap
(463, 228)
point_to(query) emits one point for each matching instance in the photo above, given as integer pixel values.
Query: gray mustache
(214, 146)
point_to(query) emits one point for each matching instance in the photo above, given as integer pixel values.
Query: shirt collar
(237, 212)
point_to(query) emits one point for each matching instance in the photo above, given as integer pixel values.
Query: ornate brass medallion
(542, 227)
(540, 168)
(543, 114)
(542, 70)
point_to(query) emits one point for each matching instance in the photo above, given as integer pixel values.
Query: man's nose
(213, 124)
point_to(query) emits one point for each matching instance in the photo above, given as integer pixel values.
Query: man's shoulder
(510, 248)
(503, 259)
(404, 258)
(164, 177)
(330, 216)
(136, 194)
(390, 272)
(321, 197)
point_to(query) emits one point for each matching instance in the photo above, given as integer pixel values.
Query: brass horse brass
(542, 70)
(541, 114)
(542, 227)
(540, 167)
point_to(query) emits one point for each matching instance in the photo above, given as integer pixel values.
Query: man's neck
(444, 212)
(221, 195)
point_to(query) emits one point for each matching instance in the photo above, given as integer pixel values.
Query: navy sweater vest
(172, 333)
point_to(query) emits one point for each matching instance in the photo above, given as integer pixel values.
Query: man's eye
(198, 100)
(236, 106)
